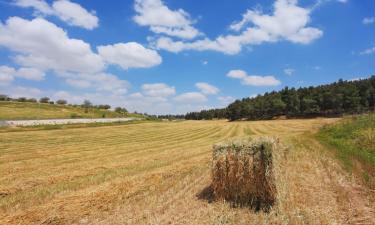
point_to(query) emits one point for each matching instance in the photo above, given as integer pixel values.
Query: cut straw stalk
(242, 172)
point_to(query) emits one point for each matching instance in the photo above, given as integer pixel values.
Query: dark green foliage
(325, 100)
(104, 106)
(86, 105)
(121, 110)
(4, 98)
(44, 100)
(61, 102)
(22, 99)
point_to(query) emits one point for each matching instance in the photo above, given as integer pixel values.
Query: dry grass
(243, 174)
(30, 110)
(153, 173)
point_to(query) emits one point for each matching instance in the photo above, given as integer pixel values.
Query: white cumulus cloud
(42, 45)
(190, 98)
(207, 89)
(129, 55)
(162, 20)
(158, 90)
(287, 22)
(8, 74)
(253, 80)
(69, 12)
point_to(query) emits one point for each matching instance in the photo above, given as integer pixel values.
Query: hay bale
(242, 172)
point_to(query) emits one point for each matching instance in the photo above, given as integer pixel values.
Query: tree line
(335, 99)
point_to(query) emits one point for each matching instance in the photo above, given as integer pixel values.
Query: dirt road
(61, 121)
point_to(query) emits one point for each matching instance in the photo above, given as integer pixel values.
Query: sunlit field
(157, 173)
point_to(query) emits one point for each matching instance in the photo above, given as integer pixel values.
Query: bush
(61, 102)
(4, 98)
(75, 116)
(22, 99)
(44, 100)
(32, 100)
(104, 107)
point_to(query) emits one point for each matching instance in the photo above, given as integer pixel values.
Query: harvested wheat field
(160, 173)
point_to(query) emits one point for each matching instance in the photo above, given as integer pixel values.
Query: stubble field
(158, 173)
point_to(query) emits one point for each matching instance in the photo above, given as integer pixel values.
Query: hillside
(10, 110)
(158, 173)
(335, 99)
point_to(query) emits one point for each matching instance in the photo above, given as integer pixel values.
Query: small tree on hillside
(4, 98)
(86, 105)
(21, 99)
(44, 100)
(104, 107)
(122, 111)
(61, 102)
(32, 100)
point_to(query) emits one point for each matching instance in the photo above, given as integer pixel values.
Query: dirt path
(5, 123)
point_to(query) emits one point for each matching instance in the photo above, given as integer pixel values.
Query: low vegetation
(354, 142)
(28, 110)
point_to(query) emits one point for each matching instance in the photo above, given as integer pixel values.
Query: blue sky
(174, 56)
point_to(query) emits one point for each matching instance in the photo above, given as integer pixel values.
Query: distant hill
(10, 110)
(335, 99)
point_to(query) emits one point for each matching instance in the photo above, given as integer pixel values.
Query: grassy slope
(354, 142)
(151, 173)
(28, 110)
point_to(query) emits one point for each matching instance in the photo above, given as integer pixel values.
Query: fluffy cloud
(289, 71)
(288, 22)
(20, 91)
(253, 80)
(190, 98)
(69, 12)
(30, 74)
(158, 90)
(237, 74)
(101, 82)
(129, 55)
(207, 89)
(161, 19)
(42, 45)
(8, 74)
(368, 20)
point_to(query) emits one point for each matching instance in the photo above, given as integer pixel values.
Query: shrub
(61, 102)
(44, 100)
(4, 98)
(32, 100)
(104, 106)
(21, 99)
(74, 116)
